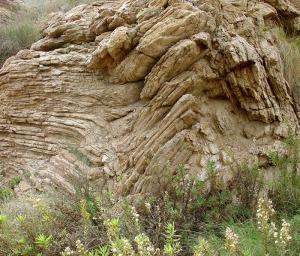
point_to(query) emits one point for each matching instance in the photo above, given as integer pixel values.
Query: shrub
(14, 181)
(248, 184)
(285, 187)
(189, 217)
(59, 222)
(34, 225)
(24, 30)
(17, 35)
(289, 47)
(5, 193)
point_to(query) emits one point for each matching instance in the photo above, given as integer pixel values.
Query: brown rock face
(127, 90)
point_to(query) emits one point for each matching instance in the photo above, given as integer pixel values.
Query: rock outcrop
(127, 90)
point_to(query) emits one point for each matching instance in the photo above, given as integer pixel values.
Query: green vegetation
(259, 216)
(4, 192)
(190, 217)
(15, 180)
(25, 28)
(81, 156)
(17, 35)
(289, 46)
(284, 190)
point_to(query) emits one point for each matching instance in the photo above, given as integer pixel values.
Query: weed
(81, 156)
(285, 188)
(248, 183)
(2, 218)
(202, 248)
(267, 228)
(43, 241)
(25, 29)
(14, 181)
(273, 241)
(172, 246)
(144, 245)
(231, 242)
(5, 193)
(289, 47)
(295, 233)
(86, 217)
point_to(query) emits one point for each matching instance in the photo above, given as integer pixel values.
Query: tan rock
(120, 92)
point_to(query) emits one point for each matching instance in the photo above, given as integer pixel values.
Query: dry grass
(289, 47)
(290, 52)
(17, 35)
(24, 29)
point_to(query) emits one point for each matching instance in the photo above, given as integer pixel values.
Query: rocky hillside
(123, 91)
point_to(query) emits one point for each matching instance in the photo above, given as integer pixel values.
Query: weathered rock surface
(127, 90)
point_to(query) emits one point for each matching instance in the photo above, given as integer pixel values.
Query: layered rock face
(124, 91)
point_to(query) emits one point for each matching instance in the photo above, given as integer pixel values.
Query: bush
(14, 181)
(33, 225)
(17, 35)
(102, 224)
(289, 47)
(189, 217)
(5, 193)
(284, 190)
(24, 30)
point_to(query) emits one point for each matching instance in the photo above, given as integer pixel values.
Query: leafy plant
(14, 181)
(274, 242)
(2, 218)
(43, 241)
(248, 182)
(231, 242)
(172, 246)
(5, 192)
(285, 188)
(81, 156)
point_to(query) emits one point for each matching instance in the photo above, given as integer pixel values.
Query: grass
(5, 192)
(15, 180)
(17, 35)
(249, 239)
(189, 218)
(81, 156)
(289, 47)
(25, 28)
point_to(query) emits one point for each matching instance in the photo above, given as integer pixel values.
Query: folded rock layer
(124, 91)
